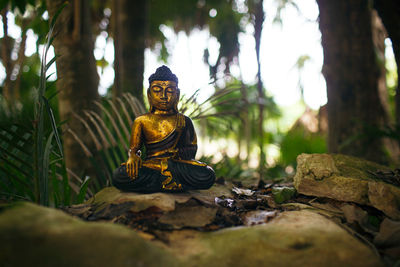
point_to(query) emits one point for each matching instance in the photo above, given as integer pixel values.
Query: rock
(354, 214)
(189, 214)
(32, 235)
(295, 238)
(164, 201)
(334, 216)
(388, 240)
(385, 197)
(389, 234)
(170, 211)
(346, 178)
(112, 196)
(36, 236)
(208, 196)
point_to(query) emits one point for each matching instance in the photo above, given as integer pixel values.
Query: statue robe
(169, 165)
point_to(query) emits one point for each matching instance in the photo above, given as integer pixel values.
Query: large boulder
(346, 178)
(293, 238)
(31, 235)
(36, 236)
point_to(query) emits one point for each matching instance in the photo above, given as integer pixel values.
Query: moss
(38, 236)
(299, 238)
(354, 167)
(106, 195)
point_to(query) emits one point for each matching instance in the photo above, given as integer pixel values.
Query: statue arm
(188, 144)
(134, 162)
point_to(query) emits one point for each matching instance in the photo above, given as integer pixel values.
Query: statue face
(163, 95)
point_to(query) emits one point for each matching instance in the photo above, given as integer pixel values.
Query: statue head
(163, 93)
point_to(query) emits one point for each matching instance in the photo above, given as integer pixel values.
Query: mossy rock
(32, 235)
(295, 238)
(346, 178)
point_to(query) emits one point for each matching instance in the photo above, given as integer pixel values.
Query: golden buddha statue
(170, 142)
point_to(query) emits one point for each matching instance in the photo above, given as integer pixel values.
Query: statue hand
(133, 165)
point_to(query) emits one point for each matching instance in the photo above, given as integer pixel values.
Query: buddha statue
(170, 143)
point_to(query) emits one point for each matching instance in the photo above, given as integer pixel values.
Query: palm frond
(119, 117)
(109, 130)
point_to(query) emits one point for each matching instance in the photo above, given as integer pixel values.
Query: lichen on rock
(32, 235)
(346, 178)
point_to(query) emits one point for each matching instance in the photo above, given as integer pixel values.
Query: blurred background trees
(77, 75)
(352, 69)
(241, 118)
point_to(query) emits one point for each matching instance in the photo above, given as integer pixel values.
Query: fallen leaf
(258, 217)
(243, 192)
(283, 194)
(225, 202)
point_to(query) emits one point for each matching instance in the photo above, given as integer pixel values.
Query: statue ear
(178, 93)
(150, 100)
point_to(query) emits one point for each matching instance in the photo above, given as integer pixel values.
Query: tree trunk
(129, 26)
(77, 76)
(389, 11)
(379, 35)
(6, 47)
(13, 66)
(352, 76)
(258, 23)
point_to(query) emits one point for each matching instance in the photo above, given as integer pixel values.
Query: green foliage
(299, 141)
(20, 4)
(31, 168)
(225, 26)
(233, 112)
(228, 168)
(15, 163)
(276, 173)
(110, 131)
(42, 148)
(16, 169)
(190, 14)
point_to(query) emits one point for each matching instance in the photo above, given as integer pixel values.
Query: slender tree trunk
(13, 65)
(77, 76)
(19, 64)
(245, 119)
(389, 11)
(352, 76)
(129, 26)
(6, 57)
(379, 35)
(258, 23)
(239, 141)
